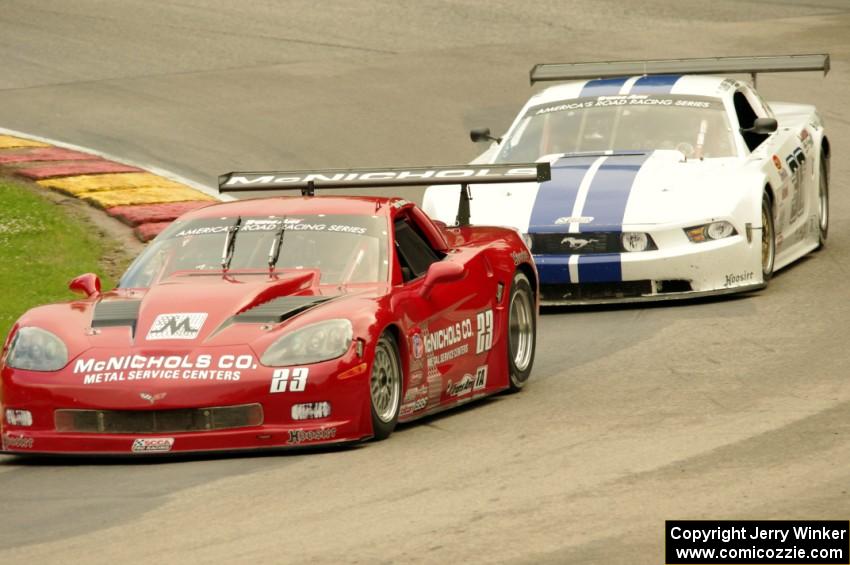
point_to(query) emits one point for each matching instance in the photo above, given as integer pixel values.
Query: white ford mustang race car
(667, 181)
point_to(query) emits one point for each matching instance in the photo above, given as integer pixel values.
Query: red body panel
(445, 339)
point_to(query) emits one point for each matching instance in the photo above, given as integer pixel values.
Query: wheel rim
(824, 202)
(766, 241)
(521, 330)
(385, 383)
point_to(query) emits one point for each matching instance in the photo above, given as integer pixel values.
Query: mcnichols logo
(483, 174)
(177, 326)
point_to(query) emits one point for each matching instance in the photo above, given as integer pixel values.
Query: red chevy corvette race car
(279, 322)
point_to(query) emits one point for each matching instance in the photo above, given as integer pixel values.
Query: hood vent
(116, 313)
(279, 309)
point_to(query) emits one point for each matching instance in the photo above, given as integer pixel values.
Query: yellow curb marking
(9, 142)
(135, 196)
(85, 184)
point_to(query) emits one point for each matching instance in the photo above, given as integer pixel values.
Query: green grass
(43, 245)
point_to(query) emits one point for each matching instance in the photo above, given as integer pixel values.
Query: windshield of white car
(697, 126)
(344, 248)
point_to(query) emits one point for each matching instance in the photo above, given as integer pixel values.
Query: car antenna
(277, 243)
(230, 244)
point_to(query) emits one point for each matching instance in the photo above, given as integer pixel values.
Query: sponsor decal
(484, 323)
(628, 100)
(311, 411)
(153, 397)
(302, 436)
(520, 257)
(480, 378)
(777, 162)
(573, 220)
(418, 347)
(17, 442)
(163, 367)
(415, 399)
(448, 336)
(379, 175)
(447, 356)
(152, 445)
(273, 224)
(415, 377)
(462, 387)
(289, 380)
(177, 326)
(736, 279)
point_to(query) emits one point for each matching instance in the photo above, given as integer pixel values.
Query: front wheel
(522, 331)
(823, 202)
(768, 238)
(385, 387)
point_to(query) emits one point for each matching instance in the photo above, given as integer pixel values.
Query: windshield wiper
(277, 243)
(230, 244)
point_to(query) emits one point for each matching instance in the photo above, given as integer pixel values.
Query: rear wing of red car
(705, 66)
(308, 181)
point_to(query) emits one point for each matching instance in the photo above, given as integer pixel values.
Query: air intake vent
(279, 309)
(116, 313)
(158, 421)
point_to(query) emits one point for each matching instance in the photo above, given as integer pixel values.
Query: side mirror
(88, 284)
(762, 126)
(440, 272)
(483, 134)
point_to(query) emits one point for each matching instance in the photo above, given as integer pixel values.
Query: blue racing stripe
(654, 84)
(603, 87)
(606, 203)
(556, 198)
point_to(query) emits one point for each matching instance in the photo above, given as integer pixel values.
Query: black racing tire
(823, 202)
(768, 238)
(385, 383)
(521, 331)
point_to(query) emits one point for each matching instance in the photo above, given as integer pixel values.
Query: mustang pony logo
(153, 397)
(576, 243)
(177, 326)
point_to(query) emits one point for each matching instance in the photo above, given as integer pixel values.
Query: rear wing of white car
(544, 72)
(308, 181)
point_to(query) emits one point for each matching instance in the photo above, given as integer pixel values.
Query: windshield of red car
(345, 248)
(698, 126)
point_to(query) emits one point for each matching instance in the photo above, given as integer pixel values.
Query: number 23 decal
(289, 380)
(484, 322)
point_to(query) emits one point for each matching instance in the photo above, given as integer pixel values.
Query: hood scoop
(279, 309)
(116, 313)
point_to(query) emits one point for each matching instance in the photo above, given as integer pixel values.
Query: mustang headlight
(311, 344)
(633, 241)
(35, 349)
(529, 241)
(710, 232)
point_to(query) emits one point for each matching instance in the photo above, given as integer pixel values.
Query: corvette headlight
(310, 344)
(633, 241)
(35, 349)
(710, 232)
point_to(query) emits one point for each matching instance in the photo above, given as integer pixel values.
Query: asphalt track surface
(734, 408)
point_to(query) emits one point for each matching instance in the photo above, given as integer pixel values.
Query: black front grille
(595, 291)
(158, 421)
(575, 243)
(601, 291)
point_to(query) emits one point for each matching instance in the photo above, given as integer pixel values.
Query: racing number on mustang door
(281, 381)
(484, 322)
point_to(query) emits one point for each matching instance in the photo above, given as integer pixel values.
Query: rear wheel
(768, 238)
(385, 387)
(823, 201)
(522, 331)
